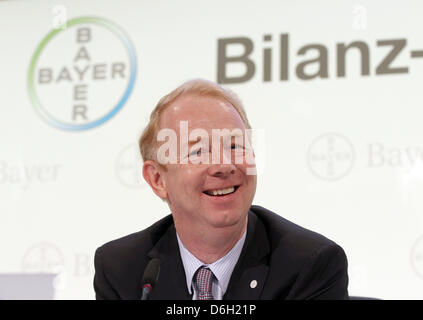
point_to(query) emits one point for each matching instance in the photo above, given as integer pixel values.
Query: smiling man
(215, 244)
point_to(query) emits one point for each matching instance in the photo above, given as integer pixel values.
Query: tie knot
(204, 281)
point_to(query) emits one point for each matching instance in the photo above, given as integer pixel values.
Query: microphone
(151, 274)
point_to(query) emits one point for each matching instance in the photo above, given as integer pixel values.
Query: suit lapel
(171, 284)
(248, 278)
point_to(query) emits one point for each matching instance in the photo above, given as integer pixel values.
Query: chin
(225, 218)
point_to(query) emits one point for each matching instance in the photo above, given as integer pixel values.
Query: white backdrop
(343, 154)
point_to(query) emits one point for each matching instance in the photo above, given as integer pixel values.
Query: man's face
(190, 186)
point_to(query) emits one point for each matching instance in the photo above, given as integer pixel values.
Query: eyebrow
(191, 142)
(237, 134)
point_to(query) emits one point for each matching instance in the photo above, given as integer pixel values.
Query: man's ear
(153, 174)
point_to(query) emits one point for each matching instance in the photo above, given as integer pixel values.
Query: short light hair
(197, 87)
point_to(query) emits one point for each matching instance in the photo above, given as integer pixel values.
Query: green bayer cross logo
(81, 76)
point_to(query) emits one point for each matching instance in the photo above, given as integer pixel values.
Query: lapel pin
(253, 284)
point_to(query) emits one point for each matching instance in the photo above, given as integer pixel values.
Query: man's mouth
(221, 192)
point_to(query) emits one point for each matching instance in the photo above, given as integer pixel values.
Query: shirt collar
(222, 268)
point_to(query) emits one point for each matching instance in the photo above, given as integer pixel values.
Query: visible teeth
(223, 191)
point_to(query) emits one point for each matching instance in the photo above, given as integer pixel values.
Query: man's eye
(195, 152)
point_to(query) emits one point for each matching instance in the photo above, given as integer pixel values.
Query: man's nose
(221, 170)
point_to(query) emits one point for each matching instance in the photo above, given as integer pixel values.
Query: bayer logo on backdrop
(43, 258)
(331, 156)
(82, 75)
(417, 257)
(128, 167)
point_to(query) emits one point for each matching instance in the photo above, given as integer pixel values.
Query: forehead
(205, 112)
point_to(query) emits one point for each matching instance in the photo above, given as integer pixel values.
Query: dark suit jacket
(286, 260)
